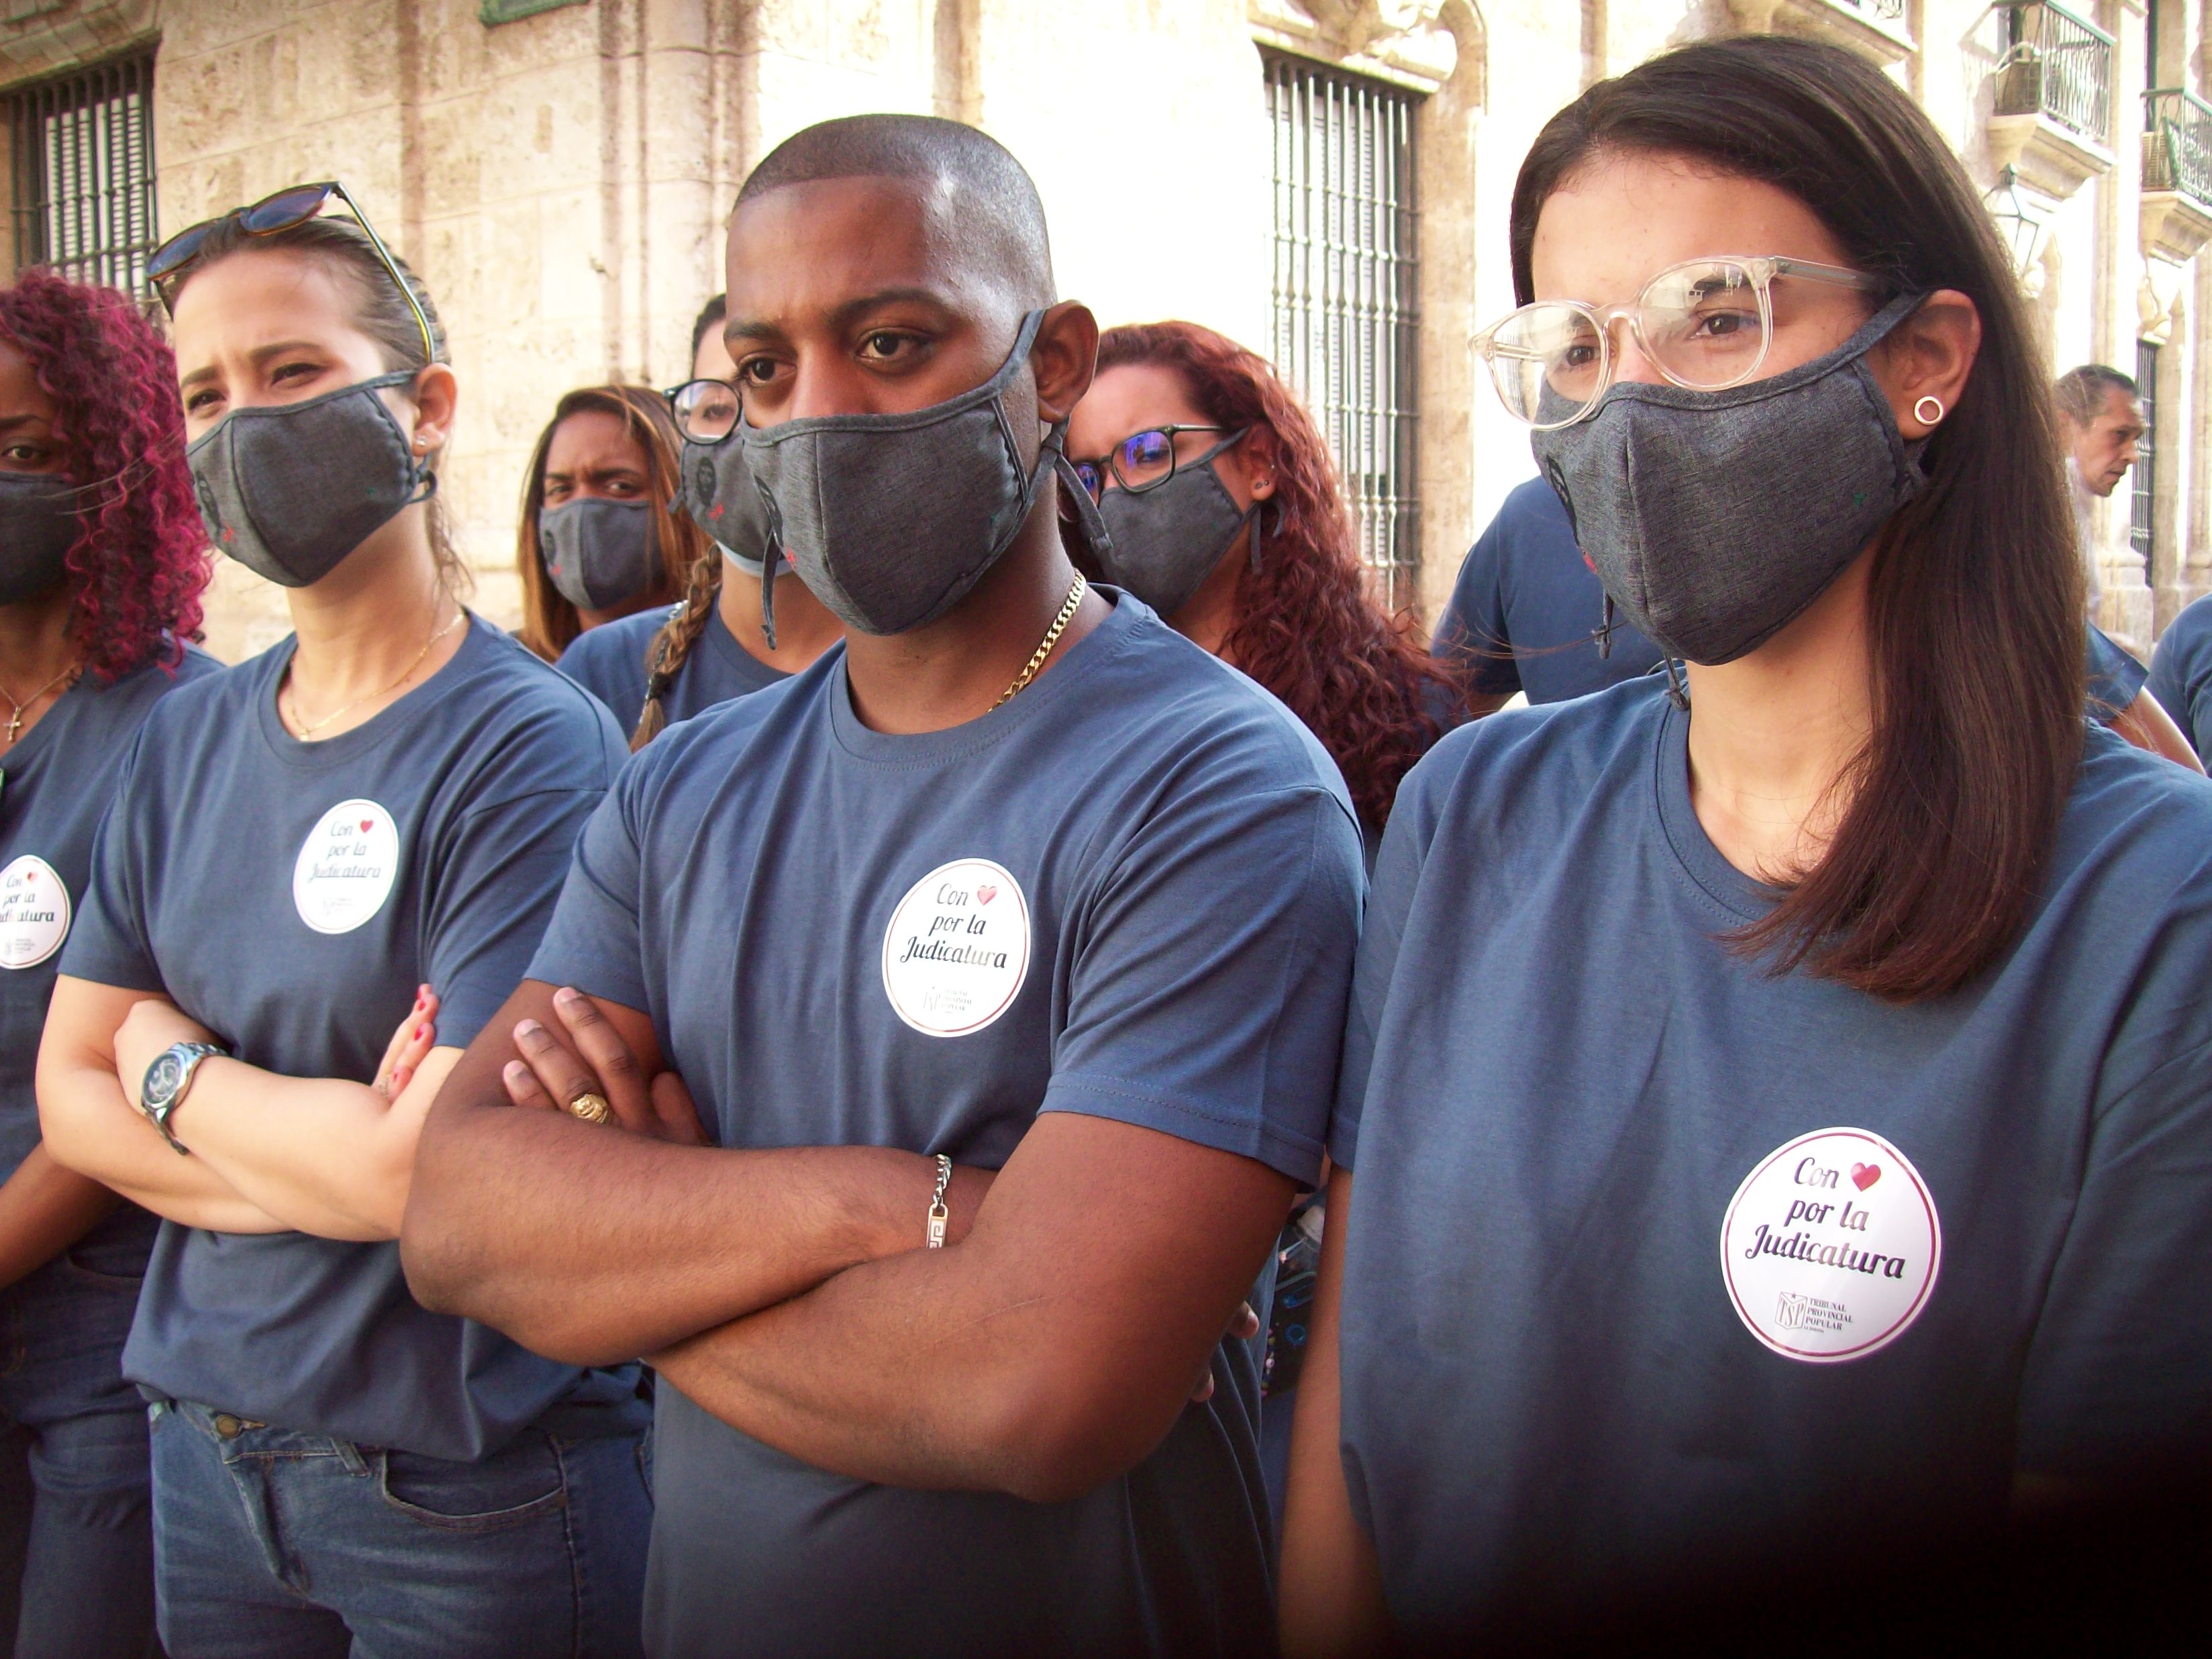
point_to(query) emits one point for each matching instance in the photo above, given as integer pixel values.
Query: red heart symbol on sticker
(986, 893)
(368, 824)
(1863, 1176)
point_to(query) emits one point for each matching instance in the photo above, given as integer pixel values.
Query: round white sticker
(34, 912)
(1831, 1246)
(345, 868)
(957, 948)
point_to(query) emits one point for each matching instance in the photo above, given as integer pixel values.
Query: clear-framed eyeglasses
(1706, 324)
(706, 411)
(1145, 460)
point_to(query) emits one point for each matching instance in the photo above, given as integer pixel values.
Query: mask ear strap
(1258, 515)
(1677, 693)
(1089, 524)
(771, 561)
(1605, 631)
(427, 483)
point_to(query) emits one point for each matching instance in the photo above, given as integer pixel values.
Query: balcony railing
(2177, 155)
(2057, 66)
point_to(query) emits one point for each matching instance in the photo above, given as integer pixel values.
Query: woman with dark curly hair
(102, 559)
(1223, 502)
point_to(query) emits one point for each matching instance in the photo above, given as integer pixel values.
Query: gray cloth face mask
(599, 552)
(39, 525)
(1167, 540)
(891, 519)
(1714, 518)
(289, 489)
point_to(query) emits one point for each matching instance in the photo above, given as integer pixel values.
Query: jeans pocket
(89, 1269)
(516, 1485)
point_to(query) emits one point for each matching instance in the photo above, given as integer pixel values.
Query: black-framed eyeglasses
(1145, 460)
(271, 214)
(706, 411)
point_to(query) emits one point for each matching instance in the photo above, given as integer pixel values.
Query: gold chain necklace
(1052, 638)
(307, 731)
(16, 709)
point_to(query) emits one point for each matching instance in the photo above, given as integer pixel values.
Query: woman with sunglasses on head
(1223, 505)
(598, 542)
(379, 808)
(102, 562)
(1775, 1134)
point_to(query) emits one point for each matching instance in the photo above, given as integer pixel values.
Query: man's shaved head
(990, 203)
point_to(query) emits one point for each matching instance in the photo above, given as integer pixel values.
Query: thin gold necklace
(1052, 638)
(305, 730)
(16, 709)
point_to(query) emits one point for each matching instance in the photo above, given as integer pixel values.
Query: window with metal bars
(2143, 496)
(84, 146)
(1347, 283)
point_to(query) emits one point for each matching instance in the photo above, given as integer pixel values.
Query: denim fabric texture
(891, 519)
(289, 489)
(1715, 518)
(272, 1544)
(1167, 540)
(598, 551)
(77, 1554)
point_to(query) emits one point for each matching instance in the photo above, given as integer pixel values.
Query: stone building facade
(1327, 179)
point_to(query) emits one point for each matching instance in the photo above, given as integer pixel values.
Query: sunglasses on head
(272, 214)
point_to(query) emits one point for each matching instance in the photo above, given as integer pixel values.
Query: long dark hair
(549, 622)
(1309, 626)
(1975, 594)
(141, 560)
(380, 312)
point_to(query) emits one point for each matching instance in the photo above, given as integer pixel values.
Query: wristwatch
(167, 1080)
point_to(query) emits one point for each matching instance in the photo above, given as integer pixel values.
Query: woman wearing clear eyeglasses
(1776, 1123)
(365, 826)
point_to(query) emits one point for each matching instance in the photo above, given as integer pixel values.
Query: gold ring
(592, 1108)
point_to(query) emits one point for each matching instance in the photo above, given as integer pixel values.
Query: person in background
(597, 541)
(368, 823)
(1527, 612)
(102, 560)
(2101, 425)
(720, 640)
(1775, 1138)
(1222, 503)
(1223, 506)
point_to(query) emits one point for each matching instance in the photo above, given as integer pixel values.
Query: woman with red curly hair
(1226, 518)
(102, 559)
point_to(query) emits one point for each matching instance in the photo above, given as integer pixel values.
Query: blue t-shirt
(1525, 607)
(290, 897)
(609, 661)
(2181, 674)
(1577, 1273)
(1132, 892)
(54, 785)
(2116, 679)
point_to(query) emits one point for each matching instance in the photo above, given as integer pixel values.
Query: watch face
(161, 1080)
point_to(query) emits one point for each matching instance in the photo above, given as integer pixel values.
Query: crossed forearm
(91, 1129)
(592, 1245)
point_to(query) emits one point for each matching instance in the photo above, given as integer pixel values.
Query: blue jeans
(273, 1545)
(76, 1554)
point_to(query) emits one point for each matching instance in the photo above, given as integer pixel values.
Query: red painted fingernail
(421, 1031)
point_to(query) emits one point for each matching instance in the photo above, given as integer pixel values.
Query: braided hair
(671, 647)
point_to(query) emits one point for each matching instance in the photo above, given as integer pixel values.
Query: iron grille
(2142, 498)
(84, 172)
(2178, 153)
(1346, 320)
(2057, 66)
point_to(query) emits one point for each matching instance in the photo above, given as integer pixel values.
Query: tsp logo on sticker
(346, 866)
(957, 948)
(34, 912)
(1831, 1246)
